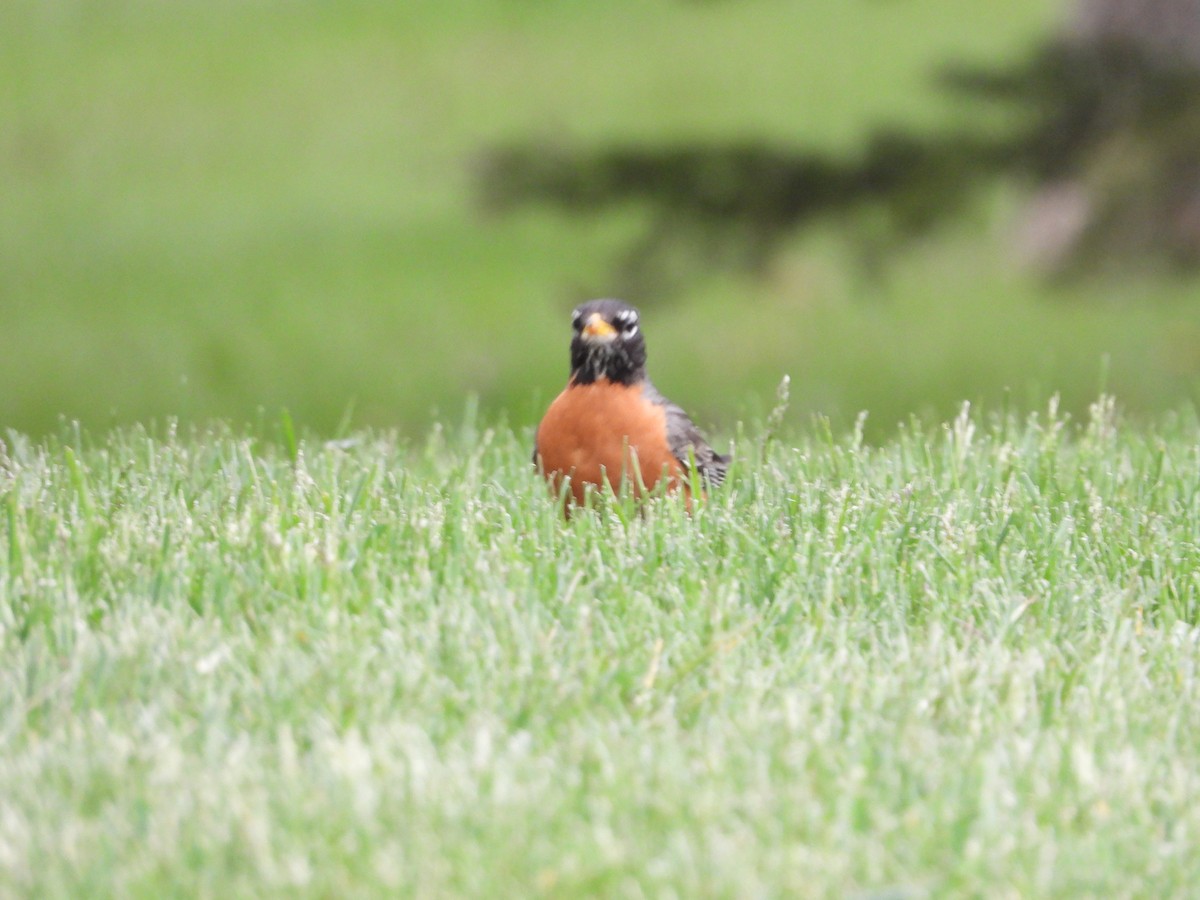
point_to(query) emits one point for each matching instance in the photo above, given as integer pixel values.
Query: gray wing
(686, 441)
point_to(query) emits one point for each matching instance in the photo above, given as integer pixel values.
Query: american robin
(610, 423)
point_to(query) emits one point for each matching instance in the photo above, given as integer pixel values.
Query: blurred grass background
(225, 209)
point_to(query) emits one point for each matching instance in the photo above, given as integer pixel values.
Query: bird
(610, 424)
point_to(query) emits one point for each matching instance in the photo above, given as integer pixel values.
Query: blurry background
(373, 211)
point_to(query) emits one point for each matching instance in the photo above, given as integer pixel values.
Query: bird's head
(607, 343)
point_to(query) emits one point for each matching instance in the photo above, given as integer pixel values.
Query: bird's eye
(626, 320)
(576, 320)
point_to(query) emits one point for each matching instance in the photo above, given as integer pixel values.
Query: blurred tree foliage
(1107, 133)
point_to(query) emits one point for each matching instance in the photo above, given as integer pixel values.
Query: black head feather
(607, 343)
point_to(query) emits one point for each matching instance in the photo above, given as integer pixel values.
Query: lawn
(963, 662)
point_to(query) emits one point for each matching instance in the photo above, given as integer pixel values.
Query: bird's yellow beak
(597, 328)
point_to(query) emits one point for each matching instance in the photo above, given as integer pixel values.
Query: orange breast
(592, 433)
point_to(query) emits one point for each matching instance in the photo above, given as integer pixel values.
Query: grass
(216, 209)
(959, 663)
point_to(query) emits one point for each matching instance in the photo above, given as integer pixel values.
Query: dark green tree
(1107, 135)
